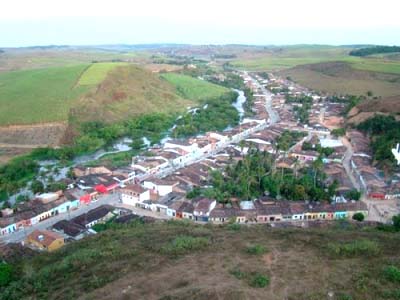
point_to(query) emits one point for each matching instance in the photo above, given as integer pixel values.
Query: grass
(193, 88)
(36, 96)
(354, 248)
(181, 260)
(97, 72)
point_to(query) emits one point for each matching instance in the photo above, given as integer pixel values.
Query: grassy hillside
(341, 78)
(178, 260)
(97, 72)
(192, 88)
(130, 91)
(35, 96)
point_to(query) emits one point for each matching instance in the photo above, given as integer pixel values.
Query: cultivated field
(178, 260)
(341, 78)
(97, 72)
(38, 96)
(192, 88)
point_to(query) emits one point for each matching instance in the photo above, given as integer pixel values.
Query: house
(202, 209)
(45, 240)
(185, 210)
(182, 146)
(222, 215)
(100, 214)
(158, 186)
(134, 193)
(71, 229)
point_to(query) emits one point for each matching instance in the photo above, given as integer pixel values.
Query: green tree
(6, 273)
(37, 187)
(396, 222)
(358, 217)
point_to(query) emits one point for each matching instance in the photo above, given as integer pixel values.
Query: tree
(353, 195)
(6, 271)
(396, 222)
(358, 217)
(318, 166)
(37, 187)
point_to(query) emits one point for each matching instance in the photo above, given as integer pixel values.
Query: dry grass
(130, 263)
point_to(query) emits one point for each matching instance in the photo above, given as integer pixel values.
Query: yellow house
(45, 240)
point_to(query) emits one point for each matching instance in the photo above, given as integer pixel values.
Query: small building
(202, 209)
(133, 194)
(45, 240)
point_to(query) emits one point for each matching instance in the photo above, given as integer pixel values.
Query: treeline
(385, 134)
(374, 50)
(256, 175)
(215, 114)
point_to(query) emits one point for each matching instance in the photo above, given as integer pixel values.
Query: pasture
(40, 95)
(194, 89)
(97, 72)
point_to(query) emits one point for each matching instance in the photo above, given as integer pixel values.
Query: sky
(259, 22)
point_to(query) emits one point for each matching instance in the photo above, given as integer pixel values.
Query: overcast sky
(88, 22)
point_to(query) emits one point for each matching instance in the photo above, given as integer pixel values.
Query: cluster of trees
(374, 50)
(323, 151)
(350, 101)
(256, 175)
(216, 114)
(385, 133)
(288, 138)
(338, 132)
(302, 110)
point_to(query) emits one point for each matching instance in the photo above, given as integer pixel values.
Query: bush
(358, 217)
(6, 271)
(355, 248)
(259, 281)
(256, 249)
(392, 273)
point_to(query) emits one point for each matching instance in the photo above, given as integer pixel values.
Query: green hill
(179, 260)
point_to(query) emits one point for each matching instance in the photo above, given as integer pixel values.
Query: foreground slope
(178, 260)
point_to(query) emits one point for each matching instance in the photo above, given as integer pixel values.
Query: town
(293, 126)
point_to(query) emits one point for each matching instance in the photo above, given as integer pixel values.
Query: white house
(133, 194)
(183, 147)
(159, 186)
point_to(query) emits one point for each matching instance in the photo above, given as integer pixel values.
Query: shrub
(358, 217)
(5, 274)
(185, 244)
(237, 273)
(392, 273)
(355, 248)
(234, 226)
(259, 281)
(256, 249)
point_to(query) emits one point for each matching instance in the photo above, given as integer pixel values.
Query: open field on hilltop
(192, 88)
(21, 59)
(38, 96)
(288, 57)
(341, 78)
(97, 72)
(130, 91)
(179, 260)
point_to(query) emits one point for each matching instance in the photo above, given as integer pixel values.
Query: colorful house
(45, 240)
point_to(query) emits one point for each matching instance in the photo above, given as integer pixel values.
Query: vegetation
(91, 268)
(358, 217)
(256, 249)
(6, 272)
(374, 50)
(97, 72)
(355, 248)
(353, 195)
(392, 273)
(385, 133)
(338, 132)
(193, 88)
(256, 175)
(215, 114)
(25, 96)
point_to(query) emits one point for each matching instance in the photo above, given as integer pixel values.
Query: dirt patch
(31, 136)
(268, 259)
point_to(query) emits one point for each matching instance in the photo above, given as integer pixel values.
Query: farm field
(192, 88)
(341, 78)
(179, 260)
(97, 72)
(40, 95)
